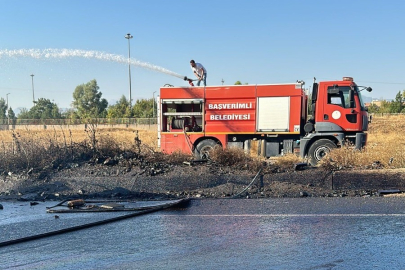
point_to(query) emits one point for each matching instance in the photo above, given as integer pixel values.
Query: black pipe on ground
(85, 226)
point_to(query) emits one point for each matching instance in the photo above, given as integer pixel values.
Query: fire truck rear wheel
(319, 149)
(203, 148)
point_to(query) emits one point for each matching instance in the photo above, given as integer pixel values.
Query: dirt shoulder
(199, 180)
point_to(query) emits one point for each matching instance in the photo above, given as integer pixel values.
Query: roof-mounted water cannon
(301, 82)
(190, 81)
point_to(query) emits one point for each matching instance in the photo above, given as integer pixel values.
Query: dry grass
(25, 149)
(235, 157)
(287, 162)
(38, 150)
(123, 137)
(385, 147)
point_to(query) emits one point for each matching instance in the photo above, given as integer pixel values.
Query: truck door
(342, 109)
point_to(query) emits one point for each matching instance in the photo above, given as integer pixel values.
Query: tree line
(87, 103)
(395, 106)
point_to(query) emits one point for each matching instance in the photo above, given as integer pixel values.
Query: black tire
(319, 149)
(201, 151)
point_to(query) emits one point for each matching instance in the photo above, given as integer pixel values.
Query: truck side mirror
(351, 99)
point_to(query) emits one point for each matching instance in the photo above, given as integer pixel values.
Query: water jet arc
(70, 53)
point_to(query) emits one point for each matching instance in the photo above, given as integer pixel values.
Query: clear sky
(255, 42)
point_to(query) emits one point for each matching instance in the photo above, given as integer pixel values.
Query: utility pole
(153, 105)
(128, 36)
(32, 80)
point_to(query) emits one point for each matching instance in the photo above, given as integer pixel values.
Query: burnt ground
(195, 180)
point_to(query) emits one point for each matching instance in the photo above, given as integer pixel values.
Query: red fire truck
(272, 117)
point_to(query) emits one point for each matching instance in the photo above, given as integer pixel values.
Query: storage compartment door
(273, 114)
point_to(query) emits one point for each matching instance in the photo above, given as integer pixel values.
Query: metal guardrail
(101, 121)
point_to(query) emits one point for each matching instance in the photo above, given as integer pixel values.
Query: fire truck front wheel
(203, 148)
(319, 149)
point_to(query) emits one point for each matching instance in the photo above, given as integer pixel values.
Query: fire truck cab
(270, 119)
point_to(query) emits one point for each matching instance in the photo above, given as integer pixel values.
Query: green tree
(239, 83)
(70, 113)
(3, 108)
(43, 109)
(24, 114)
(397, 105)
(373, 108)
(403, 101)
(385, 106)
(11, 116)
(88, 102)
(120, 109)
(143, 108)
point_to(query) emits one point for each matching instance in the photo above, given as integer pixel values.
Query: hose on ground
(248, 186)
(80, 227)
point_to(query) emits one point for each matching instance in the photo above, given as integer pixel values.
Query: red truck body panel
(229, 110)
(194, 119)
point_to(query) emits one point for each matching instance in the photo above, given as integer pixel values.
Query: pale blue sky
(256, 42)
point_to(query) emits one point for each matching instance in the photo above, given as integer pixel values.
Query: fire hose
(248, 186)
(84, 226)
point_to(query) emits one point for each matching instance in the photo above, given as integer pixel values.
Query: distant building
(373, 102)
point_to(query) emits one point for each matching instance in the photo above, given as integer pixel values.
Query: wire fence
(385, 114)
(62, 122)
(107, 121)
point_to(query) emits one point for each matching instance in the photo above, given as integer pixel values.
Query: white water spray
(69, 53)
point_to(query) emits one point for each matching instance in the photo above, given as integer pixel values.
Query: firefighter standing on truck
(200, 72)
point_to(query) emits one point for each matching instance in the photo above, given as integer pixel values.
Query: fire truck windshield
(340, 96)
(356, 89)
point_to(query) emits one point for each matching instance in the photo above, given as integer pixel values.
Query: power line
(19, 89)
(39, 91)
(322, 79)
(384, 82)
